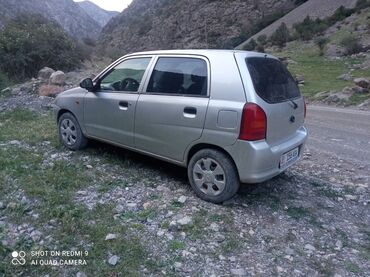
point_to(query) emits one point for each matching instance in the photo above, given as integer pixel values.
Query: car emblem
(292, 119)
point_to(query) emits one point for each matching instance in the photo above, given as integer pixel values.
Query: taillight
(254, 123)
(305, 107)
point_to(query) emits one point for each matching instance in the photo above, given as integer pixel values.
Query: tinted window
(126, 76)
(272, 80)
(185, 76)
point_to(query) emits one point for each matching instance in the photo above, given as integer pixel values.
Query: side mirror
(87, 84)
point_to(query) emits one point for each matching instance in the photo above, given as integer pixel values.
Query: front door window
(126, 76)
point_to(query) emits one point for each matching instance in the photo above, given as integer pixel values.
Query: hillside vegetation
(159, 24)
(29, 43)
(327, 54)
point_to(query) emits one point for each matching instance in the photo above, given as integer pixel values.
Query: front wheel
(70, 133)
(213, 176)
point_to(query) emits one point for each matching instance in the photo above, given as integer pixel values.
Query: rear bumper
(258, 161)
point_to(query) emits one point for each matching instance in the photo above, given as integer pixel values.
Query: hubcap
(68, 131)
(209, 176)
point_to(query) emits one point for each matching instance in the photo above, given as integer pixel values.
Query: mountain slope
(155, 24)
(67, 13)
(312, 8)
(98, 14)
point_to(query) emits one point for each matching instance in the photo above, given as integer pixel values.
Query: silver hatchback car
(228, 116)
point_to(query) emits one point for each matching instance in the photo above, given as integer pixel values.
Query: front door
(170, 115)
(109, 112)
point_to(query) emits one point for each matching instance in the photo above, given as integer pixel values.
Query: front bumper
(257, 161)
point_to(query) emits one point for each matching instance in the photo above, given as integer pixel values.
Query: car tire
(213, 176)
(70, 133)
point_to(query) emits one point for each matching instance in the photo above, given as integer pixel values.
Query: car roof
(202, 52)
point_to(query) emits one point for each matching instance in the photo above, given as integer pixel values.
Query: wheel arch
(197, 147)
(63, 111)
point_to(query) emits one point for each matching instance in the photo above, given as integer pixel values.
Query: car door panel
(170, 115)
(166, 125)
(105, 118)
(109, 112)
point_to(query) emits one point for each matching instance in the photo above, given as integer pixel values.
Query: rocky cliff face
(98, 14)
(67, 13)
(156, 24)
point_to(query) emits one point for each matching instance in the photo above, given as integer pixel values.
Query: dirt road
(344, 133)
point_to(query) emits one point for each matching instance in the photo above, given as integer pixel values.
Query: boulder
(322, 94)
(300, 79)
(362, 82)
(6, 91)
(359, 90)
(365, 105)
(45, 73)
(50, 90)
(334, 51)
(57, 78)
(345, 77)
(354, 90)
(338, 98)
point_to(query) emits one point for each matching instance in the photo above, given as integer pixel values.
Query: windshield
(272, 80)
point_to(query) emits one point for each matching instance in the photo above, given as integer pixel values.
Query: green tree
(31, 42)
(351, 45)
(250, 46)
(4, 81)
(321, 43)
(281, 35)
(262, 40)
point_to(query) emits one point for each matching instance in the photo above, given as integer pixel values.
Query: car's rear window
(272, 80)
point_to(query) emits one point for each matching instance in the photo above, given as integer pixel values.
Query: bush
(299, 2)
(321, 43)
(262, 39)
(281, 36)
(362, 4)
(250, 46)
(4, 81)
(351, 45)
(31, 42)
(265, 21)
(309, 28)
(260, 48)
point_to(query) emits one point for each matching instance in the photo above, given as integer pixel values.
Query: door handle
(190, 112)
(123, 105)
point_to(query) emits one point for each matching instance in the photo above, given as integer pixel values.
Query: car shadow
(248, 193)
(170, 170)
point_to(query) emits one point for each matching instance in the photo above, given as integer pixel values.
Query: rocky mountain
(98, 14)
(67, 13)
(156, 24)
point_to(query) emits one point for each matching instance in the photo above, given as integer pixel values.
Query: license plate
(289, 157)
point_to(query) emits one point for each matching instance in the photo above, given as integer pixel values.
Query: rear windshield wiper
(295, 105)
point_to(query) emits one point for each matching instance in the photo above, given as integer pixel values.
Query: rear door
(170, 115)
(270, 85)
(109, 112)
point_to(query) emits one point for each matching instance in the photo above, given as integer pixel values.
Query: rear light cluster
(254, 123)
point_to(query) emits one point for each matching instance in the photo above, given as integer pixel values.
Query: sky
(111, 5)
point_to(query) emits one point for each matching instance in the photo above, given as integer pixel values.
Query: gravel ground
(312, 220)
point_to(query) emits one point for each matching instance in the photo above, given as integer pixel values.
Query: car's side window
(126, 76)
(179, 76)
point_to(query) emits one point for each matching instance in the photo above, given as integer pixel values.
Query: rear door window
(272, 80)
(179, 76)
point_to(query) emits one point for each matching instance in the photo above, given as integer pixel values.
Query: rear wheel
(213, 176)
(70, 133)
